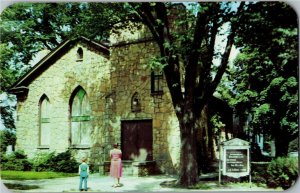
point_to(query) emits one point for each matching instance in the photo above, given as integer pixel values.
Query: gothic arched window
(44, 121)
(80, 118)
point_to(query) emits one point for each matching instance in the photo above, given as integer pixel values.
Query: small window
(79, 54)
(135, 103)
(156, 82)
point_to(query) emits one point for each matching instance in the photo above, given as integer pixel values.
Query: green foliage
(8, 107)
(62, 162)
(27, 28)
(294, 145)
(217, 124)
(16, 161)
(282, 172)
(157, 63)
(41, 161)
(265, 72)
(259, 172)
(50, 162)
(6, 138)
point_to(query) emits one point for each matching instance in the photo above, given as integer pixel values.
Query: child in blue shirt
(83, 172)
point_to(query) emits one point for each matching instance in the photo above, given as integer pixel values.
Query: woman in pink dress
(116, 164)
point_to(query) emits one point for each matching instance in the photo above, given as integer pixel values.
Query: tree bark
(205, 141)
(188, 174)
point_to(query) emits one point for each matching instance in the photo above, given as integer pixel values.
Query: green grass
(30, 175)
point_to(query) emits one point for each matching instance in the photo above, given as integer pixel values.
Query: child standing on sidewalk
(83, 172)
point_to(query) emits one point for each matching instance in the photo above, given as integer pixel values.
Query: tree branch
(147, 18)
(192, 64)
(225, 57)
(171, 71)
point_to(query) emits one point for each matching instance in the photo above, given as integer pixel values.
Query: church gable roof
(51, 57)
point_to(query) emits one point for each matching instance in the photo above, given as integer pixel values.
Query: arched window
(135, 103)
(79, 54)
(44, 122)
(80, 118)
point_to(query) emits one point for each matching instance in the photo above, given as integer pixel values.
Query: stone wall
(58, 83)
(131, 74)
(110, 84)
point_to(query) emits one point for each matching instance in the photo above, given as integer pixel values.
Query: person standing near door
(116, 164)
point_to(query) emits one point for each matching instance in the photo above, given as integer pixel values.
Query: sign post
(235, 159)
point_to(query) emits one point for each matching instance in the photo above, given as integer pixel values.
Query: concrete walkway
(97, 183)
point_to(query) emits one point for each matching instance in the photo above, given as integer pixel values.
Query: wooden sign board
(236, 158)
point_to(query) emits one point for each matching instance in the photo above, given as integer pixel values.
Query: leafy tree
(187, 51)
(265, 78)
(7, 134)
(6, 138)
(27, 28)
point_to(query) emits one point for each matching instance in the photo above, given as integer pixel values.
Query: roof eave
(20, 81)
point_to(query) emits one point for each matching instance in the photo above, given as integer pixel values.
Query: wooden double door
(137, 140)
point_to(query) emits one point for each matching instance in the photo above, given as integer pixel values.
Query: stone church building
(84, 96)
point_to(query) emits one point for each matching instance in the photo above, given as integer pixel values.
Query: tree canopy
(265, 74)
(27, 28)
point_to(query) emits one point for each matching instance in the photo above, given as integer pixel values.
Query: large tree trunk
(205, 141)
(202, 140)
(188, 173)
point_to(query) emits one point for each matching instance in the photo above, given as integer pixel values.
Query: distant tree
(7, 138)
(8, 128)
(27, 28)
(265, 74)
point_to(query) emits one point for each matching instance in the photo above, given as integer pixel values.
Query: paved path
(97, 183)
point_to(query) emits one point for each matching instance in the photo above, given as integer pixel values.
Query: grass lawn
(30, 175)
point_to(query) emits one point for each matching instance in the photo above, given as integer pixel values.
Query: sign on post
(235, 158)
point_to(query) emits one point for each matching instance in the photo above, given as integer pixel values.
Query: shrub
(294, 146)
(282, 172)
(259, 172)
(16, 161)
(41, 161)
(62, 162)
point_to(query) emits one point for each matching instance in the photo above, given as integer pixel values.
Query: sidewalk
(97, 183)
